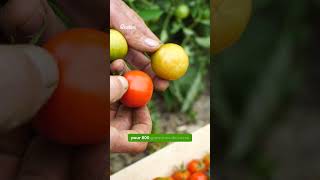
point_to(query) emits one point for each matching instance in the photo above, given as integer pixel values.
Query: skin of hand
(124, 120)
(28, 77)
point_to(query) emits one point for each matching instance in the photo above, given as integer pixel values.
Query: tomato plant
(196, 166)
(230, 18)
(140, 89)
(198, 176)
(182, 11)
(76, 112)
(170, 61)
(181, 175)
(118, 45)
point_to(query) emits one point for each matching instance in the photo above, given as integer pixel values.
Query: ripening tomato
(140, 89)
(76, 112)
(181, 175)
(230, 18)
(196, 166)
(206, 160)
(182, 11)
(170, 61)
(198, 176)
(118, 45)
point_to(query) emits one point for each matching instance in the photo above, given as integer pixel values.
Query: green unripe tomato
(182, 11)
(118, 45)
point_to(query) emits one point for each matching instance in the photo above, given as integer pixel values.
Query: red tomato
(198, 176)
(140, 89)
(76, 113)
(181, 175)
(196, 166)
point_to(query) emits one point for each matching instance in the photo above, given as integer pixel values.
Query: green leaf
(175, 27)
(150, 14)
(203, 41)
(192, 93)
(188, 31)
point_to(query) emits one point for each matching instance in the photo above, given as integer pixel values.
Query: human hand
(29, 76)
(140, 39)
(124, 120)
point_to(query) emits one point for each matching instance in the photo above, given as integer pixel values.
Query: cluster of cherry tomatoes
(169, 62)
(197, 169)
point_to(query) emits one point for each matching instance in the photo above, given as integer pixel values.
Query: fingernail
(151, 43)
(123, 82)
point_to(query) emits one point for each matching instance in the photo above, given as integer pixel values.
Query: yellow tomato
(118, 45)
(170, 61)
(230, 18)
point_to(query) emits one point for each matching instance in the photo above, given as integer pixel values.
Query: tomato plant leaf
(203, 41)
(150, 14)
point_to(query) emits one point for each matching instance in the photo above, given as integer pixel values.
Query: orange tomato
(76, 112)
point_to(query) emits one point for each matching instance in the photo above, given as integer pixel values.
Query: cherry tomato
(181, 175)
(206, 160)
(198, 176)
(170, 61)
(196, 166)
(230, 18)
(118, 45)
(140, 89)
(76, 112)
(182, 11)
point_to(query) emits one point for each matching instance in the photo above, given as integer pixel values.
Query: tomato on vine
(182, 11)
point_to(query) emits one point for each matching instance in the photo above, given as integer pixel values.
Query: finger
(29, 76)
(90, 162)
(119, 142)
(113, 109)
(122, 120)
(140, 38)
(119, 67)
(12, 147)
(142, 124)
(45, 160)
(22, 19)
(142, 62)
(142, 120)
(118, 86)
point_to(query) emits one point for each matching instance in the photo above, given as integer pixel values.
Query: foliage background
(266, 95)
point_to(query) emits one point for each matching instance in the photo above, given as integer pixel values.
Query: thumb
(28, 76)
(118, 86)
